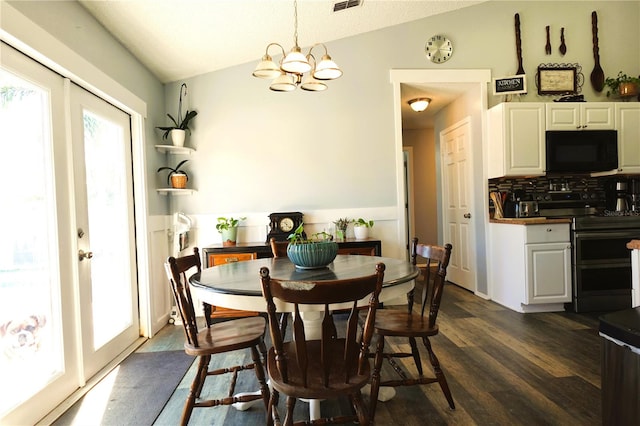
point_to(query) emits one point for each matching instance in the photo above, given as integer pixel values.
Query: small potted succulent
(177, 177)
(314, 252)
(361, 228)
(228, 227)
(622, 85)
(341, 227)
(180, 126)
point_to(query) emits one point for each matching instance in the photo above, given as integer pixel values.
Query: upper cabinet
(517, 139)
(628, 126)
(580, 116)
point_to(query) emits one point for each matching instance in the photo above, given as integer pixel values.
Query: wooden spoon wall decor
(563, 46)
(597, 75)
(547, 47)
(518, 45)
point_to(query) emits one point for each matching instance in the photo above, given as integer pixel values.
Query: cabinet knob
(549, 229)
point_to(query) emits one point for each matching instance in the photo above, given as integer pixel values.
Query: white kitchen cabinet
(628, 126)
(580, 116)
(530, 266)
(516, 139)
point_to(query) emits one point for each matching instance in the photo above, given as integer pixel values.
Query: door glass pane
(31, 353)
(106, 168)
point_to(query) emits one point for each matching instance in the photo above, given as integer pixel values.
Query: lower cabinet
(530, 266)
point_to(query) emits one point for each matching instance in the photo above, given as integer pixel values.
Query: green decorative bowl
(312, 255)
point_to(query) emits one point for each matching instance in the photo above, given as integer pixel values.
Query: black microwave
(581, 151)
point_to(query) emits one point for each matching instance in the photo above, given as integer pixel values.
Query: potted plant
(341, 227)
(180, 126)
(622, 85)
(361, 228)
(228, 227)
(314, 252)
(177, 177)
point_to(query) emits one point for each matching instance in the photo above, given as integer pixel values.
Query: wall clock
(438, 49)
(281, 225)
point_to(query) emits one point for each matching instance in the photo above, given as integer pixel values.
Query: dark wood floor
(503, 368)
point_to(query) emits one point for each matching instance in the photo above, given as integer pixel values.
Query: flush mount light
(288, 74)
(419, 104)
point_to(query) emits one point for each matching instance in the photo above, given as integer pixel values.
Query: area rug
(132, 394)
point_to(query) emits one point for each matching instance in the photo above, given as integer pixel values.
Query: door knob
(467, 215)
(82, 255)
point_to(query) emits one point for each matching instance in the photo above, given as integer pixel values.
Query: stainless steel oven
(601, 262)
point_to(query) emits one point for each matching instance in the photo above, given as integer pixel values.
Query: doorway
(65, 309)
(476, 108)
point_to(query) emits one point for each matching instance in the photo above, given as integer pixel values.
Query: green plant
(621, 78)
(362, 222)
(342, 223)
(180, 123)
(225, 224)
(299, 237)
(174, 171)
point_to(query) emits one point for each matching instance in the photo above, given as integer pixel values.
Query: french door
(68, 288)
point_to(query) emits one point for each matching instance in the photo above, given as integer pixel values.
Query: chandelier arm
(274, 44)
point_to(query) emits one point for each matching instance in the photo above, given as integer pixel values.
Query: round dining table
(237, 286)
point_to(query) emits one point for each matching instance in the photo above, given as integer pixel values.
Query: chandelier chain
(295, 20)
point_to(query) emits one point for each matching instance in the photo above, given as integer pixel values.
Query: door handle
(467, 215)
(82, 255)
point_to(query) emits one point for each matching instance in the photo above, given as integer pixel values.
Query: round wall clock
(438, 49)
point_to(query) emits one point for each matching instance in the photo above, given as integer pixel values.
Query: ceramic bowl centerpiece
(315, 252)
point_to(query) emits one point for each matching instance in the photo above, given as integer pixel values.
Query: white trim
(26, 36)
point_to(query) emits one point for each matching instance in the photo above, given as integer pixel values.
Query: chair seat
(315, 388)
(228, 336)
(399, 323)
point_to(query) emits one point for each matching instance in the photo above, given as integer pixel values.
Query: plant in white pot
(314, 252)
(180, 126)
(177, 177)
(228, 228)
(361, 228)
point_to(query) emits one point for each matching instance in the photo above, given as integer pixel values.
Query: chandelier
(295, 69)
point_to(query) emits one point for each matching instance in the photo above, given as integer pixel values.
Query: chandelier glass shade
(419, 104)
(296, 69)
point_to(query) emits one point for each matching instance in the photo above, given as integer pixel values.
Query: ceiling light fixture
(419, 104)
(290, 72)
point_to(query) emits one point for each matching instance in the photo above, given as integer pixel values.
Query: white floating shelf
(175, 191)
(174, 149)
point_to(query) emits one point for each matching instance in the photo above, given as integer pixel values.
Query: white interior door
(51, 337)
(105, 228)
(457, 201)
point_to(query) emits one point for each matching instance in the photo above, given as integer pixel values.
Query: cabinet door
(548, 273)
(628, 126)
(597, 115)
(525, 140)
(580, 116)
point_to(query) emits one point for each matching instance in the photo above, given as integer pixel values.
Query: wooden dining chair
(332, 365)
(279, 249)
(223, 337)
(397, 323)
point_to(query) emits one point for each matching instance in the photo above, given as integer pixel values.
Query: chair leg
(284, 320)
(442, 380)
(263, 351)
(196, 385)
(360, 409)
(272, 413)
(264, 389)
(375, 377)
(416, 354)
(202, 372)
(291, 403)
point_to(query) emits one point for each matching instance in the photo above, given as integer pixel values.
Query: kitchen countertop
(533, 221)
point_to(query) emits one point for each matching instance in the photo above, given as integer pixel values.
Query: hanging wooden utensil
(547, 47)
(563, 46)
(597, 75)
(518, 45)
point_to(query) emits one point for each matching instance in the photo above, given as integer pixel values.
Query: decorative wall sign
(559, 79)
(513, 85)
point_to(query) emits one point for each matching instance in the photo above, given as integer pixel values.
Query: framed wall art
(557, 80)
(513, 85)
